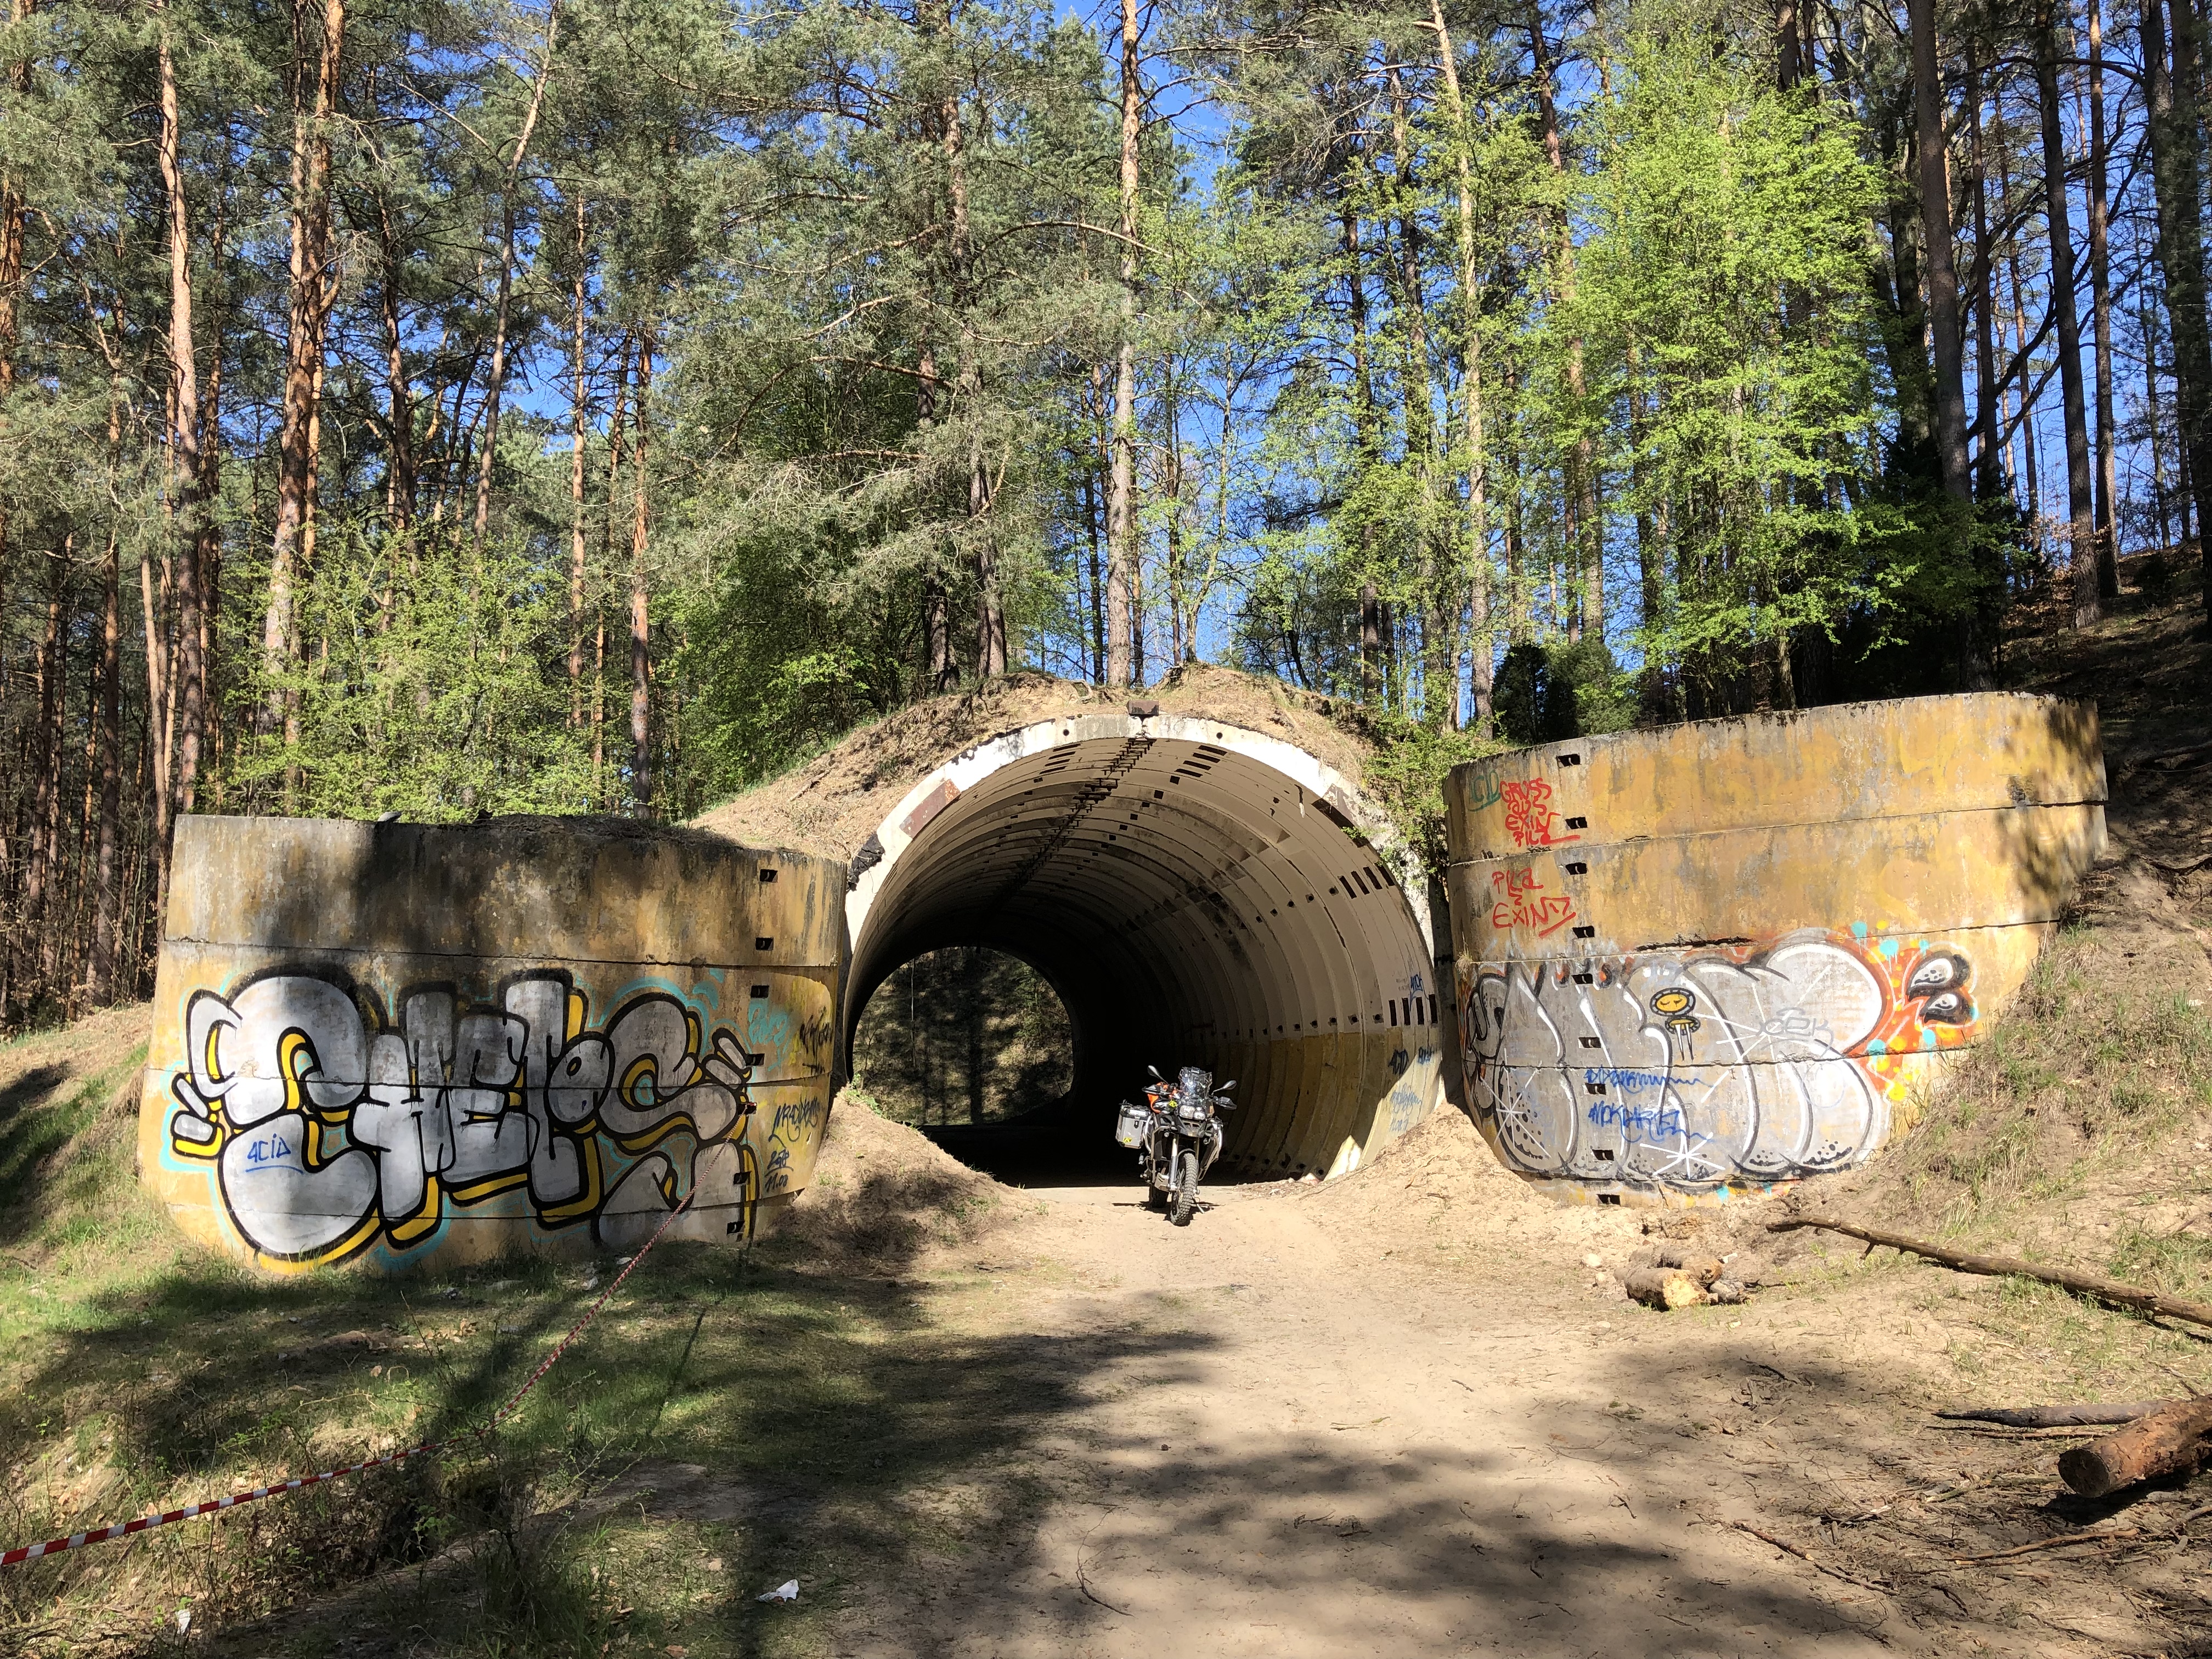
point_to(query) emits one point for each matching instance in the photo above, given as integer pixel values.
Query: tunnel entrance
(1197, 894)
(966, 1036)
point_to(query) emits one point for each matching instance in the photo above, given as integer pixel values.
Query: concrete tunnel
(1693, 965)
(1195, 893)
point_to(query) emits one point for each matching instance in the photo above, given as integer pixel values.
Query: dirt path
(1294, 1452)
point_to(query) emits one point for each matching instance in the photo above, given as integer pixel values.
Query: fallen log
(2109, 1291)
(2056, 1417)
(2168, 1440)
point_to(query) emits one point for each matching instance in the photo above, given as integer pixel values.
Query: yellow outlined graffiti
(331, 1125)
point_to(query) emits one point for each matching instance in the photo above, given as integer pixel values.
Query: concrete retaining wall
(1735, 952)
(408, 1045)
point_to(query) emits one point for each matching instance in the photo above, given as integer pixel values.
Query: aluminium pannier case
(1134, 1124)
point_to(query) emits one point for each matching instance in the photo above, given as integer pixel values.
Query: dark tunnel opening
(1196, 894)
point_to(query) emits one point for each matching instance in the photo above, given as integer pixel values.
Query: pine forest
(452, 408)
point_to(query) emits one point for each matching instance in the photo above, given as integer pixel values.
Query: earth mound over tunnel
(1197, 874)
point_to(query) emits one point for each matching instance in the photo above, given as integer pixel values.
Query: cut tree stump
(1703, 1268)
(2056, 1417)
(2109, 1291)
(2167, 1440)
(1665, 1288)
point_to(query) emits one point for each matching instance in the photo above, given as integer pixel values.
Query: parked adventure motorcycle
(1177, 1135)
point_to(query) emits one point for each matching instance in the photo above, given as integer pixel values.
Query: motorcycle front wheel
(1185, 1202)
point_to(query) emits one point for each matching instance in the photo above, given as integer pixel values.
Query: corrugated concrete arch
(1197, 893)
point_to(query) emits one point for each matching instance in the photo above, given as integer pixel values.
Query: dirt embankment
(883, 1198)
(829, 805)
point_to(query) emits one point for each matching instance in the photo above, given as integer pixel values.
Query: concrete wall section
(412, 1046)
(1735, 952)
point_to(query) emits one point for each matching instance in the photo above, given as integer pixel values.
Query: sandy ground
(1289, 1429)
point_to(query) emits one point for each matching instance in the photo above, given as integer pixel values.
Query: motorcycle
(1177, 1135)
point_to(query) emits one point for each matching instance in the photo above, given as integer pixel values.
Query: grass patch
(2176, 1263)
(2093, 1066)
(730, 1422)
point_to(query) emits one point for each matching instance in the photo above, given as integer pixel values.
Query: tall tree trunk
(2176, 157)
(188, 684)
(488, 454)
(1943, 276)
(157, 736)
(2100, 311)
(399, 397)
(1585, 513)
(207, 559)
(936, 608)
(47, 777)
(1363, 406)
(579, 401)
(1121, 499)
(1989, 480)
(2081, 499)
(990, 602)
(600, 802)
(641, 689)
(2147, 324)
(1090, 506)
(1650, 549)
(107, 923)
(1440, 600)
(617, 426)
(1478, 501)
(1897, 280)
(13, 210)
(312, 292)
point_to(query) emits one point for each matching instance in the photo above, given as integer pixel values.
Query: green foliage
(1532, 704)
(1547, 693)
(966, 1035)
(812, 343)
(435, 689)
(1711, 197)
(1406, 776)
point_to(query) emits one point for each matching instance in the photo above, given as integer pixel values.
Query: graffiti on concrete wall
(1694, 1069)
(331, 1123)
(1520, 900)
(1530, 818)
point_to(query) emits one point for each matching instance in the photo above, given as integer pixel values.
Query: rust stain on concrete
(1701, 961)
(411, 1046)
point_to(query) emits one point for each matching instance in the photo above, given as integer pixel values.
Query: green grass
(850, 1434)
(2089, 1070)
(2176, 1263)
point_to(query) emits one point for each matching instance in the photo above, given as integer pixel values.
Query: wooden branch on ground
(2166, 1440)
(2055, 1417)
(1809, 1559)
(2109, 1291)
(2118, 1536)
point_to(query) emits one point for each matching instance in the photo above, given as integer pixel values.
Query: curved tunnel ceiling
(1194, 892)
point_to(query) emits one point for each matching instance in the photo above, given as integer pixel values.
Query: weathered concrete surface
(1198, 893)
(1722, 955)
(412, 1045)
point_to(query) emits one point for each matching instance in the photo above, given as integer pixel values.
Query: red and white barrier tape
(146, 1523)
